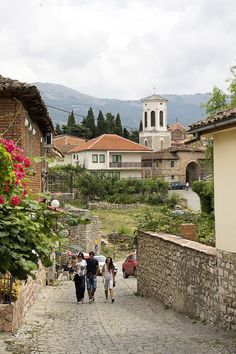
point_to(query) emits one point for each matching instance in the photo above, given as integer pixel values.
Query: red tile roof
(110, 142)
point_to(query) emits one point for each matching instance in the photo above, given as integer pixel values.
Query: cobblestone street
(133, 324)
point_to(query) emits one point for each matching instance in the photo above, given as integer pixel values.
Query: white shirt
(81, 268)
(107, 274)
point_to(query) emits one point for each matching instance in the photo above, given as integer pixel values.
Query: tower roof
(154, 97)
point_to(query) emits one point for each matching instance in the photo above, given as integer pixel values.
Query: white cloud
(119, 48)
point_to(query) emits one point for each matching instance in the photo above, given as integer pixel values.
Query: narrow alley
(133, 324)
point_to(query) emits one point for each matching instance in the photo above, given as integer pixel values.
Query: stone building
(178, 134)
(173, 158)
(178, 163)
(24, 118)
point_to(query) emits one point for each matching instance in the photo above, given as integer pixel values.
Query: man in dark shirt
(91, 276)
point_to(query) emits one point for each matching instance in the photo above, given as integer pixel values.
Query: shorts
(91, 283)
(108, 284)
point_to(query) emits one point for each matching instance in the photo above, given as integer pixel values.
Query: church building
(155, 134)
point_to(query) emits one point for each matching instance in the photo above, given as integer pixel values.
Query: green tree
(134, 136)
(126, 133)
(90, 123)
(216, 103)
(58, 129)
(101, 124)
(232, 87)
(140, 126)
(118, 126)
(71, 120)
(110, 123)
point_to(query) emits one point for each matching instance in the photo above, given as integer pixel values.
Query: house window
(116, 158)
(94, 158)
(145, 142)
(101, 158)
(74, 157)
(145, 119)
(161, 119)
(172, 177)
(172, 163)
(153, 119)
(77, 157)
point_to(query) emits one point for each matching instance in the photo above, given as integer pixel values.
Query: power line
(80, 115)
(63, 110)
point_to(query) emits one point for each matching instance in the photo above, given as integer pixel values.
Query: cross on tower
(154, 90)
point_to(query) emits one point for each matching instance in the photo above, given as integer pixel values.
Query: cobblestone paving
(133, 324)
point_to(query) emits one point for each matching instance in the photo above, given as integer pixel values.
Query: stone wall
(227, 289)
(180, 273)
(12, 315)
(190, 277)
(85, 235)
(105, 205)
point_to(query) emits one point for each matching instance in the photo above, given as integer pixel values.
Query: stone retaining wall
(12, 315)
(85, 235)
(105, 205)
(190, 277)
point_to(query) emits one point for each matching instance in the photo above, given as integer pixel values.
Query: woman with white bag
(108, 274)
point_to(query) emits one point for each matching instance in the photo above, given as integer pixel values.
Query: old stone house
(178, 163)
(24, 118)
(173, 158)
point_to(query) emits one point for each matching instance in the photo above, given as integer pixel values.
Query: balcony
(125, 165)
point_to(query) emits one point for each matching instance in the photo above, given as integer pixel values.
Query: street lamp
(55, 203)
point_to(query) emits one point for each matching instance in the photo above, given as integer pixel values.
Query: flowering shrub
(12, 172)
(27, 228)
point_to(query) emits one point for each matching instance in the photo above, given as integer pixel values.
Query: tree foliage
(205, 191)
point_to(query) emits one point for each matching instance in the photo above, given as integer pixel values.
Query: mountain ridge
(184, 108)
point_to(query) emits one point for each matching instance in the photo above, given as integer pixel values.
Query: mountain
(184, 108)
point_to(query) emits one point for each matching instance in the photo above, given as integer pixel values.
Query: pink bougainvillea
(13, 164)
(2, 200)
(15, 200)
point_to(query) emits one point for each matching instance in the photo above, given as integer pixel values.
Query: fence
(6, 287)
(56, 183)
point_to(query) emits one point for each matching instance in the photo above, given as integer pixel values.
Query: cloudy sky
(119, 48)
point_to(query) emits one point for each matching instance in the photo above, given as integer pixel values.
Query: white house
(111, 153)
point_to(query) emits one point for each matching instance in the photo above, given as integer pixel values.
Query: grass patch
(116, 219)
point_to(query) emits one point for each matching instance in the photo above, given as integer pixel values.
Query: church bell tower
(155, 134)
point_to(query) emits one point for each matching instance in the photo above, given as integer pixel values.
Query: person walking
(108, 273)
(187, 186)
(91, 276)
(79, 278)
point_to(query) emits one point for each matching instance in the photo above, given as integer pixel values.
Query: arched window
(153, 120)
(161, 119)
(145, 142)
(145, 119)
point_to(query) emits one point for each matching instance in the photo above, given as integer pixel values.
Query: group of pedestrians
(85, 271)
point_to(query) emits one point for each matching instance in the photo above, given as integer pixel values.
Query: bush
(205, 191)
(206, 229)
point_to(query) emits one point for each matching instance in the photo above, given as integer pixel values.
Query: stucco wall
(224, 184)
